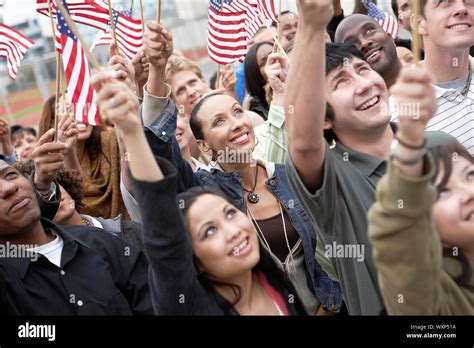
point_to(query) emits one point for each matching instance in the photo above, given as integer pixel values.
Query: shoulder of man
(439, 138)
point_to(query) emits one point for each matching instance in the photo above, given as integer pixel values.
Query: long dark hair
(444, 156)
(265, 265)
(254, 81)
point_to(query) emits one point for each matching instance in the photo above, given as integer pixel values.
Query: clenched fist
(158, 45)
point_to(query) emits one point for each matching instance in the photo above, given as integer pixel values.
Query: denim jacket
(161, 140)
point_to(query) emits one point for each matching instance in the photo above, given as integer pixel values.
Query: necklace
(87, 222)
(252, 196)
(262, 238)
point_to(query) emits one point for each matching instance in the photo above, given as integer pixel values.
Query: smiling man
(448, 34)
(376, 45)
(336, 184)
(56, 279)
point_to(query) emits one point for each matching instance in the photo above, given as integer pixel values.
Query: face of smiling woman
(453, 212)
(223, 238)
(226, 128)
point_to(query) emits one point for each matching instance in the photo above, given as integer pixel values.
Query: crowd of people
(334, 177)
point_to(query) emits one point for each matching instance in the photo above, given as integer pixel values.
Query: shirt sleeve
(272, 137)
(175, 287)
(11, 159)
(406, 247)
(153, 106)
(324, 200)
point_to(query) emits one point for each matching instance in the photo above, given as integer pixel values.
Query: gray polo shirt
(340, 208)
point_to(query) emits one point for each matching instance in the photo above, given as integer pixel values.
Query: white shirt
(455, 114)
(52, 250)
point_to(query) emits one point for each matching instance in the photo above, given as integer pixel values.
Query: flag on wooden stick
(13, 47)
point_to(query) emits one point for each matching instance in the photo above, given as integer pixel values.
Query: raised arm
(172, 275)
(407, 250)
(305, 100)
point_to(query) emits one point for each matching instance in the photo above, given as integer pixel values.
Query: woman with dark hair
(425, 202)
(256, 78)
(96, 154)
(258, 189)
(206, 258)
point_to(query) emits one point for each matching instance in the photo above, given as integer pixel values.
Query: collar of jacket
(70, 247)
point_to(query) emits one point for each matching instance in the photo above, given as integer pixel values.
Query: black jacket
(175, 286)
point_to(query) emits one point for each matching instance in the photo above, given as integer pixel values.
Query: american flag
(267, 7)
(253, 21)
(129, 33)
(388, 23)
(80, 93)
(226, 35)
(13, 46)
(93, 13)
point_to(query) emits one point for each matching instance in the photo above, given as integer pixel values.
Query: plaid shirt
(272, 137)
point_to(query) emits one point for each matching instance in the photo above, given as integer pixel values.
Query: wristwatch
(411, 161)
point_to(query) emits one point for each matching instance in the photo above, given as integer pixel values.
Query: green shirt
(340, 208)
(413, 276)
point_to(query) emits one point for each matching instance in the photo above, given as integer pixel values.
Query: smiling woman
(261, 191)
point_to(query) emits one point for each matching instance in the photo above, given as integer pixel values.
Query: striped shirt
(272, 137)
(455, 114)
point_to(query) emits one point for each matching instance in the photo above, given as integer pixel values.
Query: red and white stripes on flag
(388, 23)
(226, 36)
(93, 13)
(102, 38)
(129, 34)
(253, 22)
(79, 90)
(13, 46)
(267, 8)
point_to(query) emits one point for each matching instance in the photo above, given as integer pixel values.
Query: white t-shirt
(52, 250)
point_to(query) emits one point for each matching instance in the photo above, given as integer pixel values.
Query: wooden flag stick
(218, 76)
(131, 9)
(158, 14)
(58, 73)
(279, 22)
(274, 38)
(112, 22)
(72, 26)
(416, 36)
(141, 15)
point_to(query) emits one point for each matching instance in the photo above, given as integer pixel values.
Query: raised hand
(142, 67)
(117, 103)
(67, 131)
(277, 69)
(415, 100)
(49, 158)
(158, 45)
(5, 138)
(124, 68)
(315, 14)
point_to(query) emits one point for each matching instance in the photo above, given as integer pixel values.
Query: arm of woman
(407, 249)
(173, 278)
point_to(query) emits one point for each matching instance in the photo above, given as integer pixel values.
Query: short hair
(336, 56)
(178, 64)
(70, 180)
(17, 130)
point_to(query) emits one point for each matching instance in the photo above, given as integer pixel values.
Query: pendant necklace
(252, 196)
